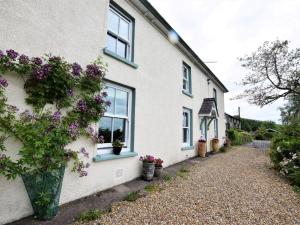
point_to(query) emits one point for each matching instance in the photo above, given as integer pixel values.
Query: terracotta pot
(215, 145)
(202, 149)
(158, 171)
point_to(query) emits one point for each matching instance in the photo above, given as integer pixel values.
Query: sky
(223, 30)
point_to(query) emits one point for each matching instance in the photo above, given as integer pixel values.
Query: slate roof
(207, 106)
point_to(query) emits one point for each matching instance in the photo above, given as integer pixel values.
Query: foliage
(158, 162)
(285, 151)
(273, 73)
(184, 170)
(147, 159)
(92, 214)
(65, 99)
(117, 143)
(167, 177)
(238, 137)
(291, 109)
(152, 188)
(223, 149)
(132, 196)
(253, 125)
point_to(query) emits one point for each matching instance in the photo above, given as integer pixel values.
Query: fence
(261, 144)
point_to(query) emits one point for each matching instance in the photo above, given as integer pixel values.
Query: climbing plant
(63, 99)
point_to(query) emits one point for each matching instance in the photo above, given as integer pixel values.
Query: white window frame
(188, 143)
(129, 42)
(186, 79)
(107, 147)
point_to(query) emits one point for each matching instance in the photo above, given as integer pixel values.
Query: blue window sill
(110, 156)
(188, 94)
(117, 57)
(187, 148)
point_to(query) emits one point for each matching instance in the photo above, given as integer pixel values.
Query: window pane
(111, 43)
(185, 119)
(105, 129)
(111, 97)
(119, 129)
(124, 29)
(185, 84)
(113, 22)
(185, 72)
(121, 103)
(121, 49)
(185, 135)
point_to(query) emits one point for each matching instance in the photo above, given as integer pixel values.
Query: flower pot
(158, 171)
(215, 145)
(202, 149)
(148, 171)
(117, 150)
(44, 192)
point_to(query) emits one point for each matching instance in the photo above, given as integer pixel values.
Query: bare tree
(274, 72)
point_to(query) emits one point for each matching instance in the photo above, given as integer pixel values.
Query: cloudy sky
(222, 30)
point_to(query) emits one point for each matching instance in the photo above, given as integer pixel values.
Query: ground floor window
(187, 127)
(116, 122)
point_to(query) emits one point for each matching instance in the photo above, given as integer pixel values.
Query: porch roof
(208, 106)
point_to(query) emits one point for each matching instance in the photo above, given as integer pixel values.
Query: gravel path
(233, 188)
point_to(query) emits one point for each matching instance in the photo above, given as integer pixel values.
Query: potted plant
(148, 167)
(45, 132)
(117, 147)
(158, 167)
(202, 146)
(215, 144)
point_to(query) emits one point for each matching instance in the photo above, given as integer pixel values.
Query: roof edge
(157, 15)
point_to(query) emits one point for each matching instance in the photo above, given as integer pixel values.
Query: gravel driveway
(233, 188)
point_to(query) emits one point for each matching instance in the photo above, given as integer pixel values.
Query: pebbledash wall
(77, 30)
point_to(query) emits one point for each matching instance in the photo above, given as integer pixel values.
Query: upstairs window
(187, 83)
(215, 95)
(119, 33)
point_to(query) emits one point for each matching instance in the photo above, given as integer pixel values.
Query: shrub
(285, 151)
(92, 214)
(238, 137)
(132, 196)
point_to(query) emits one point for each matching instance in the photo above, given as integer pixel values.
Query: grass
(167, 177)
(152, 188)
(184, 170)
(297, 190)
(132, 196)
(92, 214)
(223, 149)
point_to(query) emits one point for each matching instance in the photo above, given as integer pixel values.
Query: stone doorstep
(104, 199)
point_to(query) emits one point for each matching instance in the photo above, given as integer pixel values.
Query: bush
(285, 151)
(132, 196)
(238, 137)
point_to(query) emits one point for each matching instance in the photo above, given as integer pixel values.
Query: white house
(164, 96)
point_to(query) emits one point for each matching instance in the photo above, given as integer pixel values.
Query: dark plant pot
(148, 171)
(117, 150)
(158, 171)
(44, 192)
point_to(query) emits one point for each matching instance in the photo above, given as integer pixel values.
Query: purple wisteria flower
(1, 54)
(108, 103)
(23, 59)
(99, 99)
(104, 94)
(70, 93)
(56, 116)
(12, 54)
(3, 82)
(95, 136)
(37, 61)
(55, 59)
(84, 152)
(76, 69)
(87, 165)
(42, 72)
(82, 106)
(80, 170)
(93, 71)
(13, 108)
(73, 130)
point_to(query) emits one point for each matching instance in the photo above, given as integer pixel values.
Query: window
(216, 128)
(187, 128)
(187, 84)
(119, 34)
(116, 122)
(203, 127)
(215, 94)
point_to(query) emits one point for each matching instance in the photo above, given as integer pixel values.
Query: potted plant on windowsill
(117, 147)
(62, 101)
(148, 167)
(202, 146)
(215, 145)
(158, 167)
